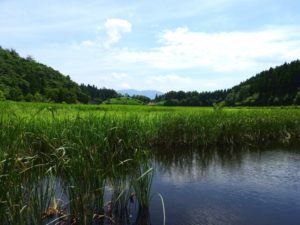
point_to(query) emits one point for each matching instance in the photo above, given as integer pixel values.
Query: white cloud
(114, 29)
(180, 82)
(182, 60)
(87, 43)
(171, 78)
(124, 86)
(220, 52)
(161, 82)
(118, 76)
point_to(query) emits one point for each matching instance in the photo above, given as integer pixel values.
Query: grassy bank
(87, 148)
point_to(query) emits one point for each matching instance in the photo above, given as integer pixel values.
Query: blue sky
(163, 45)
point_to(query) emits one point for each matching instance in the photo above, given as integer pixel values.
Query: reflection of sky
(259, 189)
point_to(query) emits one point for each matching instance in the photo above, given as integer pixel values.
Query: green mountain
(276, 86)
(24, 79)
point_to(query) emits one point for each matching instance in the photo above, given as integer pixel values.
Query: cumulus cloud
(114, 29)
(220, 52)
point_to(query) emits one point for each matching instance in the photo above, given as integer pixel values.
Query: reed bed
(38, 127)
(84, 149)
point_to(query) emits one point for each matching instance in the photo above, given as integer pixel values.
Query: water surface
(228, 187)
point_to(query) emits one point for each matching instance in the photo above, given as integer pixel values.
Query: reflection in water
(193, 164)
(218, 186)
(230, 187)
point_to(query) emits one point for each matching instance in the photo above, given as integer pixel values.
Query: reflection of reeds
(142, 184)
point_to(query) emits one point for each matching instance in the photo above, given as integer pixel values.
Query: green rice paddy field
(84, 148)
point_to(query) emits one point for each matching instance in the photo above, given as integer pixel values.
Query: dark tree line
(191, 98)
(141, 98)
(98, 95)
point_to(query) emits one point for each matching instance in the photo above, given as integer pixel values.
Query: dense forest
(276, 86)
(191, 98)
(24, 79)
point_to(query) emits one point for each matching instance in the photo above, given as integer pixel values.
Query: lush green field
(86, 147)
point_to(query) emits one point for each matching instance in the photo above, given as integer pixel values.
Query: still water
(236, 188)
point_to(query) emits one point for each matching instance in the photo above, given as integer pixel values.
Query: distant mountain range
(148, 93)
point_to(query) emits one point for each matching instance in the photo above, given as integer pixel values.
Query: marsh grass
(89, 147)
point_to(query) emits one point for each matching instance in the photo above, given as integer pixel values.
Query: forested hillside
(276, 86)
(24, 79)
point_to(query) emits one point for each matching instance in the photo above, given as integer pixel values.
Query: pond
(230, 187)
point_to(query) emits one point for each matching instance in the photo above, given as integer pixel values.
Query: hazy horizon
(170, 45)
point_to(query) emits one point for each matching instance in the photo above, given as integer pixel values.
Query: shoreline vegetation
(84, 149)
(47, 125)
